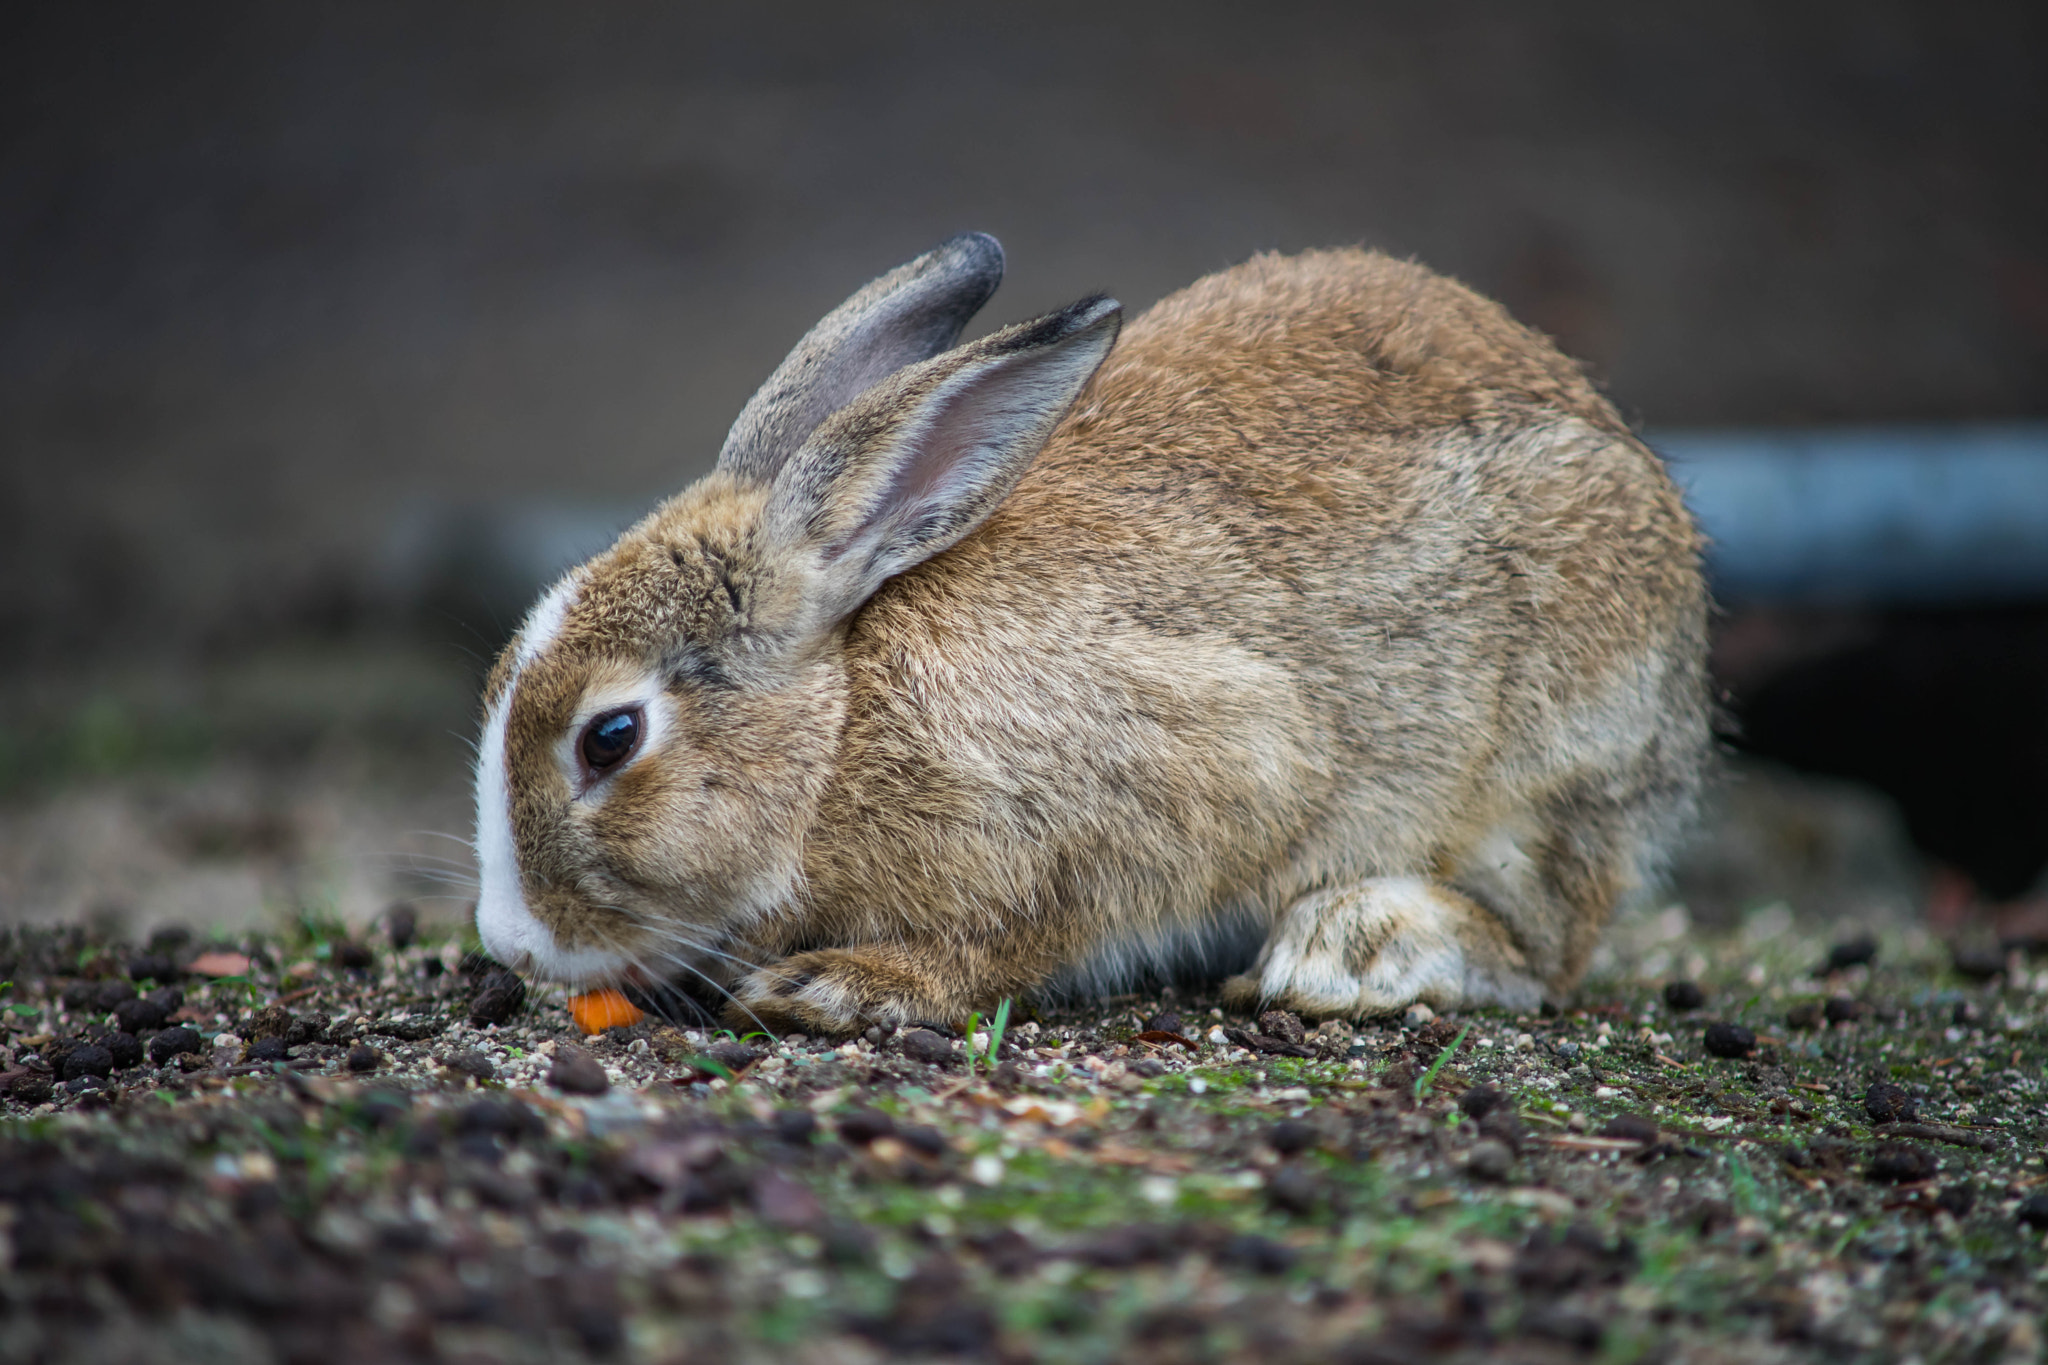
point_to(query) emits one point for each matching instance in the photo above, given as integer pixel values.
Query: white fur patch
(544, 622)
(509, 930)
(1314, 958)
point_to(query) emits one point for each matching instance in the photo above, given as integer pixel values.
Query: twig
(1941, 1132)
(1579, 1143)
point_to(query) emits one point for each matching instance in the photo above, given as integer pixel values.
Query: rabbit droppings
(1330, 614)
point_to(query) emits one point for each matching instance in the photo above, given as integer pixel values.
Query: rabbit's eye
(609, 740)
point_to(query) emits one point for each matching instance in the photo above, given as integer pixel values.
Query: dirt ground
(368, 1146)
(360, 1151)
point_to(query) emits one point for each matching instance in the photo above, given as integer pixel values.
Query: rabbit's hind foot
(1378, 946)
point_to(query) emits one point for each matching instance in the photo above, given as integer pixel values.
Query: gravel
(500, 996)
(173, 1041)
(1851, 952)
(1684, 995)
(1100, 1198)
(923, 1045)
(1899, 1164)
(86, 1059)
(576, 1072)
(141, 1014)
(1729, 1040)
(1887, 1102)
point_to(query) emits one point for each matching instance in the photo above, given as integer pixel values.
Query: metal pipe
(1877, 515)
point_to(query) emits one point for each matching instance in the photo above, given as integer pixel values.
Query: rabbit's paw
(1378, 946)
(831, 991)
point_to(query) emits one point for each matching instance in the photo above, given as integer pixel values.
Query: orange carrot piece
(596, 1011)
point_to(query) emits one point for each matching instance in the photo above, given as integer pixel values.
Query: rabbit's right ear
(910, 314)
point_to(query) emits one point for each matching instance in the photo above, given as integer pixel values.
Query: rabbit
(1330, 613)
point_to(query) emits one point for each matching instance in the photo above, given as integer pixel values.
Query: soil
(355, 1163)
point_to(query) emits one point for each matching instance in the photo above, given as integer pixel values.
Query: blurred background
(327, 332)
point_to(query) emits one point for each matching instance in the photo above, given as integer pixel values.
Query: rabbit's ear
(918, 462)
(910, 314)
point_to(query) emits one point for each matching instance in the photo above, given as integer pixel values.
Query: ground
(377, 1150)
(394, 1177)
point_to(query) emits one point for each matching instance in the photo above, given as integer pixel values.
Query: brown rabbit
(1332, 614)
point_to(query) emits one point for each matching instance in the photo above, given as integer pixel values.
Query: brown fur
(1335, 579)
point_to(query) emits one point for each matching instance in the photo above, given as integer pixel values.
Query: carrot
(596, 1011)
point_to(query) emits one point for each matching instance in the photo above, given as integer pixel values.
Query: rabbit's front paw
(1378, 946)
(832, 991)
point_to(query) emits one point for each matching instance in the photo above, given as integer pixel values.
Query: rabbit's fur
(1335, 609)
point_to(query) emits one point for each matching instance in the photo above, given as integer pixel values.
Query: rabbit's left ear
(921, 460)
(910, 314)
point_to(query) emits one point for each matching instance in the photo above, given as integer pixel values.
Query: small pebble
(1851, 952)
(783, 1203)
(141, 1013)
(1289, 1137)
(1887, 1102)
(26, 1087)
(87, 1059)
(1260, 1255)
(2033, 1211)
(1151, 1068)
(499, 997)
(1481, 1100)
(1294, 1190)
(471, 1063)
(923, 1139)
(1490, 1160)
(508, 1118)
(267, 1049)
(362, 1057)
(1806, 1016)
(1684, 995)
(1843, 1009)
(272, 1021)
(402, 924)
(796, 1126)
(1439, 1033)
(1166, 1021)
(96, 997)
(1284, 1025)
(1979, 964)
(174, 1041)
(153, 967)
(1729, 1040)
(922, 1045)
(1416, 1016)
(1895, 1163)
(862, 1126)
(1630, 1128)
(124, 1048)
(576, 1072)
(348, 953)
